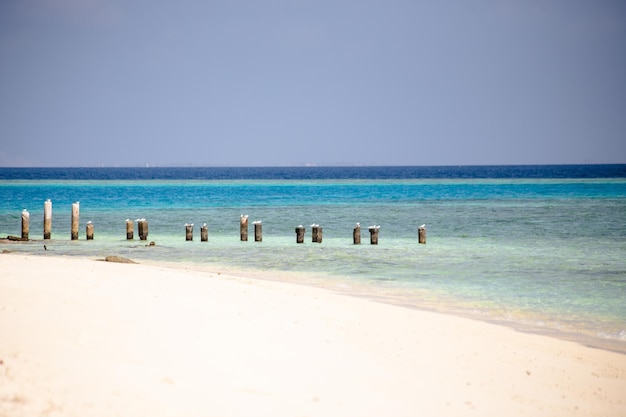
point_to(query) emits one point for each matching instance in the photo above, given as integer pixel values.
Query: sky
(319, 82)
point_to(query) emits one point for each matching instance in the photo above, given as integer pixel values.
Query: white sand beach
(81, 337)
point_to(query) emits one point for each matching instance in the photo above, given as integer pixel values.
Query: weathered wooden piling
(188, 231)
(47, 219)
(130, 232)
(89, 230)
(145, 230)
(316, 233)
(142, 228)
(25, 224)
(204, 233)
(243, 228)
(258, 231)
(75, 220)
(356, 234)
(374, 234)
(300, 234)
(421, 234)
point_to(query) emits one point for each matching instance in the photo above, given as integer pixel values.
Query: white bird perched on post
(423, 226)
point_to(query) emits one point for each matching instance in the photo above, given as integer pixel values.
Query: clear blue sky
(328, 82)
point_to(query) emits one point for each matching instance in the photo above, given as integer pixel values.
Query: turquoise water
(539, 254)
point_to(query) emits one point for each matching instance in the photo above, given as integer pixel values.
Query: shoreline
(99, 338)
(422, 300)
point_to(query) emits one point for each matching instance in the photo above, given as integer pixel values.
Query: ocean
(537, 248)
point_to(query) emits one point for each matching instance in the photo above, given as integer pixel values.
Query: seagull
(423, 226)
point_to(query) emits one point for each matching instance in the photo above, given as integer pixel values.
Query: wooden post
(89, 230)
(300, 234)
(75, 217)
(204, 233)
(47, 219)
(189, 231)
(316, 233)
(421, 234)
(25, 224)
(145, 229)
(129, 230)
(258, 231)
(374, 234)
(356, 234)
(142, 228)
(243, 228)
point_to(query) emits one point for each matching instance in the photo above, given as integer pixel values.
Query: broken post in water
(374, 234)
(25, 224)
(356, 234)
(421, 234)
(144, 232)
(204, 233)
(89, 230)
(75, 220)
(258, 231)
(243, 228)
(188, 231)
(129, 230)
(142, 228)
(47, 219)
(300, 234)
(316, 233)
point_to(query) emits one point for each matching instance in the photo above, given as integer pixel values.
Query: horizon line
(307, 165)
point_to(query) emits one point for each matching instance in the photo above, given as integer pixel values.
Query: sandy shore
(90, 338)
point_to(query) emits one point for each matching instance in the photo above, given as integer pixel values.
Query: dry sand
(88, 338)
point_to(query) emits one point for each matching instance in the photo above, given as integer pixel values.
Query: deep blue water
(318, 173)
(538, 247)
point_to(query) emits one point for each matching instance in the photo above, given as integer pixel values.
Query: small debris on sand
(119, 259)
